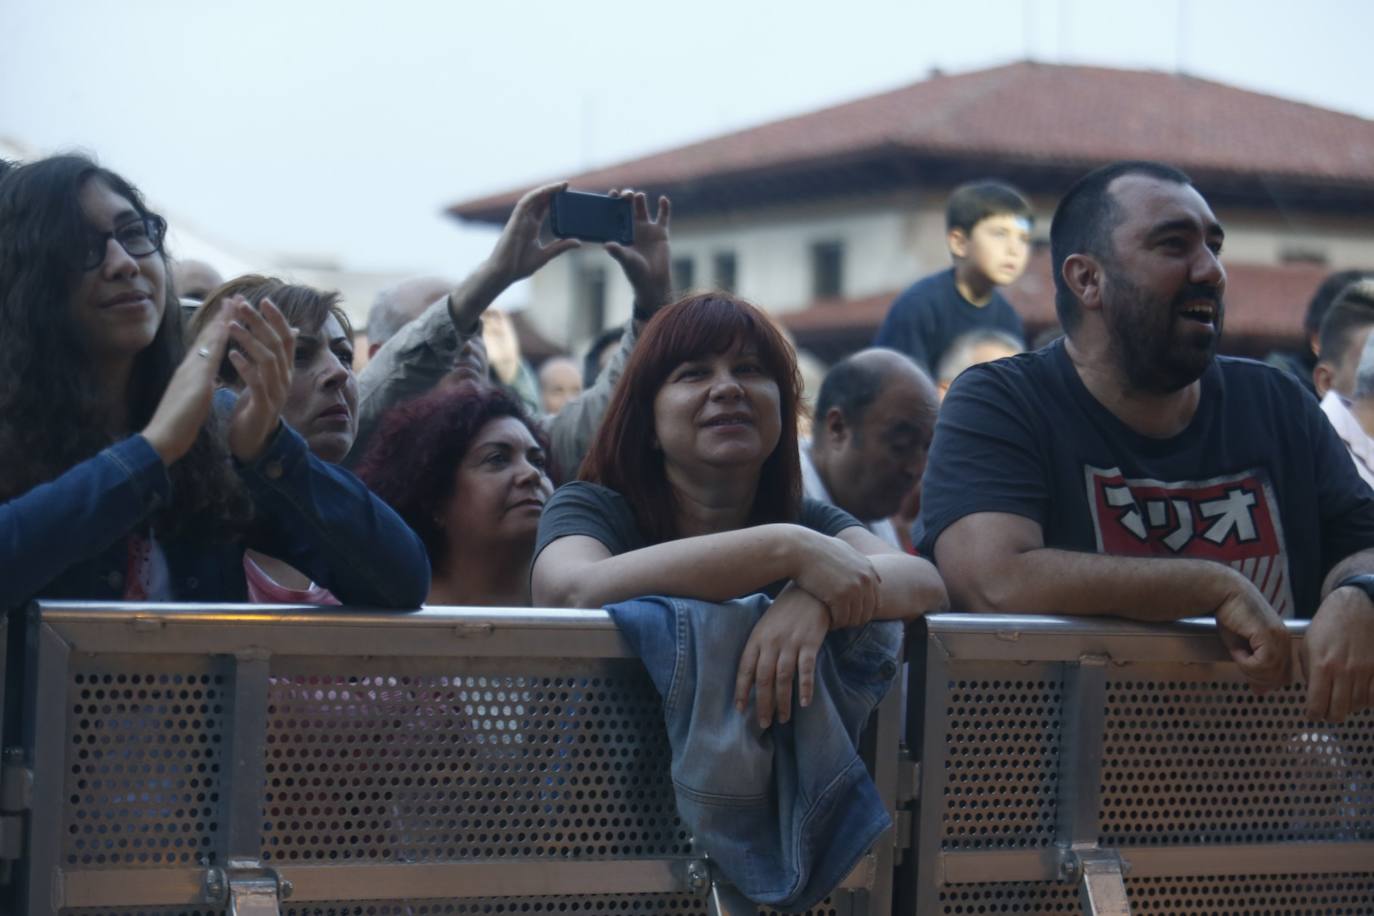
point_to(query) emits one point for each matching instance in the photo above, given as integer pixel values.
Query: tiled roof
(1048, 115)
(1264, 303)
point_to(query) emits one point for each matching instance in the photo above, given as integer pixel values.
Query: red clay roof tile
(1050, 114)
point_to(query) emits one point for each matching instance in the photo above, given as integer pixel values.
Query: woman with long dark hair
(122, 474)
(693, 489)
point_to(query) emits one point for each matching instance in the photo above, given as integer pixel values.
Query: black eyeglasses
(139, 237)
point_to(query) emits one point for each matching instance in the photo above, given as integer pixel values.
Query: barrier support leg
(725, 900)
(1097, 871)
(722, 898)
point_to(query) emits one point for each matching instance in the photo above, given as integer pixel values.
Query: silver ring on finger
(203, 352)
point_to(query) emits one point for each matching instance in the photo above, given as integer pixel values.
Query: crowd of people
(165, 435)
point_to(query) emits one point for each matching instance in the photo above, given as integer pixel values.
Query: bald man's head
(194, 279)
(875, 416)
(396, 306)
(560, 380)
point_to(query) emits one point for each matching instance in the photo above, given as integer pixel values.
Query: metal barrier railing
(1127, 768)
(305, 761)
(260, 760)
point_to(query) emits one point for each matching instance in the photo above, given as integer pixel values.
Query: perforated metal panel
(143, 769)
(1031, 898)
(1198, 762)
(1284, 895)
(668, 904)
(472, 761)
(1001, 759)
(146, 911)
(674, 904)
(1289, 895)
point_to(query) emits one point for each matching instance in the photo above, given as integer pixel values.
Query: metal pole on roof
(1063, 31)
(1027, 29)
(1181, 37)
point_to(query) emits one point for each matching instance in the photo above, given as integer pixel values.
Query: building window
(590, 317)
(684, 274)
(723, 270)
(827, 270)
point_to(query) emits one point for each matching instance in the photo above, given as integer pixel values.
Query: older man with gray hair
(874, 418)
(972, 349)
(398, 305)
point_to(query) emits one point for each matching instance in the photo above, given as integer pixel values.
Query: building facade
(825, 217)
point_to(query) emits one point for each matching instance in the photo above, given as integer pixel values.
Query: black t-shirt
(600, 512)
(1257, 480)
(932, 314)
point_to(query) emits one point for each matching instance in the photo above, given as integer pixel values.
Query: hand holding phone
(592, 217)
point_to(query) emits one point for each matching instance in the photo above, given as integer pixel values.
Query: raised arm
(646, 265)
(995, 561)
(424, 351)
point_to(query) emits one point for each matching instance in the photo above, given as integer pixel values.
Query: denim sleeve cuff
(137, 458)
(279, 460)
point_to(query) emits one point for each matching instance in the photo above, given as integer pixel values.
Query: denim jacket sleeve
(77, 516)
(325, 522)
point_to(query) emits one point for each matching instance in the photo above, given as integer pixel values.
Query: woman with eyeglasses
(122, 474)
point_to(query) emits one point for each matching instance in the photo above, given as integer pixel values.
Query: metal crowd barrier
(257, 760)
(1069, 764)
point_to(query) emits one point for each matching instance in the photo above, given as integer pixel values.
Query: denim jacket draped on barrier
(784, 812)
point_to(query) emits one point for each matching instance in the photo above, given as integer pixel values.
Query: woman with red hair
(693, 489)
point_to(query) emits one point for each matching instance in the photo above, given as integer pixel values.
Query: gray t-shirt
(599, 512)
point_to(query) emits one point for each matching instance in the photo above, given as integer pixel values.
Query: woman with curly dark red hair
(693, 489)
(464, 466)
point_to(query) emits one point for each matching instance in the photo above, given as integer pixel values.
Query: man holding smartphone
(446, 337)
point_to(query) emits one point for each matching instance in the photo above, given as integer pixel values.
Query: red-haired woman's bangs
(708, 325)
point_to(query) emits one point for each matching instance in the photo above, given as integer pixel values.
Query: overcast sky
(338, 130)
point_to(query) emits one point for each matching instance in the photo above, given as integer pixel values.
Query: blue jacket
(65, 538)
(787, 812)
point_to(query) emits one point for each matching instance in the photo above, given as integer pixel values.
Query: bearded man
(1127, 470)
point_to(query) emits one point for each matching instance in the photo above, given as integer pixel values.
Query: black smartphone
(592, 217)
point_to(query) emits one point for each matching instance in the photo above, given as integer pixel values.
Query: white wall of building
(889, 241)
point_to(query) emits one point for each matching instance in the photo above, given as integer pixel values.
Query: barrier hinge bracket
(1100, 875)
(246, 888)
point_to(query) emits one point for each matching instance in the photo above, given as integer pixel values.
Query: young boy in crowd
(989, 230)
